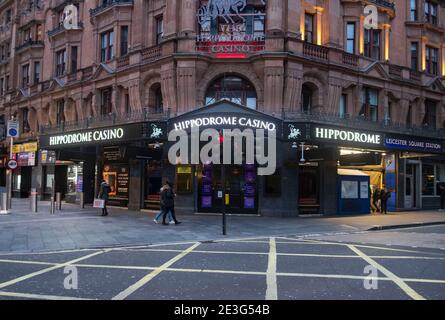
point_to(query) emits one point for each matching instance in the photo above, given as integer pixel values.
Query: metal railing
(108, 4)
(60, 28)
(360, 122)
(383, 3)
(105, 121)
(29, 43)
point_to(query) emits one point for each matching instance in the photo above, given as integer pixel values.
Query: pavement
(73, 228)
(273, 268)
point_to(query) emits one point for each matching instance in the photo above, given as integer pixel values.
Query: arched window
(156, 103)
(233, 89)
(306, 98)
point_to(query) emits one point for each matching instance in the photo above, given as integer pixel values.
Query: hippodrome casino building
(351, 108)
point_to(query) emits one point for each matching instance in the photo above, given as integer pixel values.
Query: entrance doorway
(241, 186)
(411, 185)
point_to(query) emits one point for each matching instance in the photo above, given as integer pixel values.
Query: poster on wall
(364, 190)
(349, 189)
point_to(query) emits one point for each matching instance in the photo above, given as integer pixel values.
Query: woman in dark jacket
(104, 195)
(168, 203)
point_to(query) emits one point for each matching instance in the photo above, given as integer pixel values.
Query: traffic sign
(13, 128)
(12, 164)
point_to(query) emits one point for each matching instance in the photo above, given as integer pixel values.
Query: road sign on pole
(13, 129)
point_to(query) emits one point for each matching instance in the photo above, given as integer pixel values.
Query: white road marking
(398, 281)
(271, 278)
(31, 275)
(37, 296)
(124, 294)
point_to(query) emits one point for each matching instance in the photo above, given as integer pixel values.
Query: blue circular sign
(12, 132)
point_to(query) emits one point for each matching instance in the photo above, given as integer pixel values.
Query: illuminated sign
(89, 136)
(345, 135)
(233, 121)
(26, 147)
(412, 144)
(93, 136)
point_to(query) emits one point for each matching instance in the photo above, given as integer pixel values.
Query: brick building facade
(307, 62)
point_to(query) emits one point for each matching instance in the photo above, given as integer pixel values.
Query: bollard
(59, 201)
(82, 200)
(4, 203)
(51, 205)
(34, 202)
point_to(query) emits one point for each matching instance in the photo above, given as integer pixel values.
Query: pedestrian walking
(384, 196)
(159, 215)
(104, 192)
(442, 197)
(168, 202)
(375, 200)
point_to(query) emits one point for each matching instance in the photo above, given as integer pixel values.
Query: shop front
(25, 155)
(363, 161)
(78, 161)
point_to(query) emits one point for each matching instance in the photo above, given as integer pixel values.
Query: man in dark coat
(104, 195)
(168, 203)
(442, 197)
(384, 196)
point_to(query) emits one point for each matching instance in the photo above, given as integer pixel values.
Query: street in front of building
(76, 254)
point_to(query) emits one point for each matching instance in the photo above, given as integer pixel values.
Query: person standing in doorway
(375, 200)
(384, 196)
(168, 202)
(104, 193)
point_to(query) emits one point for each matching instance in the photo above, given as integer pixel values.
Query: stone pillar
(135, 185)
(293, 23)
(419, 112)
(139, 25)
(186, 84)
(334, 95)
(274, 16)
(358, 93)
(188, 17)
(328, 187)
(400, 115)
(273, 86)
(319, 26)
(36, 180)
(168, 83)
(332, 26)
(292, 93)
(170, 16)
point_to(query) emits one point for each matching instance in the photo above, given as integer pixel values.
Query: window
(431, 12)
(124, 40)
(309, 28)
(428, 179)
(184, 179)
(415, 55)
(350, 37)
(343, 106)
(60, 117)
(159, 29)
(306, 98)
(409, 116)
(105, 107)
(73, 59)
(372, 44)
(26, 35)
(234, 89)
(159, 104)
(60, 62)
(127, 104)
(25, 124)
(272, 184)
(388, 114)
(7, 83)
(37, 72)
(431, 57)
(369, 109)
(430, 114)
(1, 86)
(106, 46)
(39, 32)
(25, 75)
(413, 10)
(8, 16)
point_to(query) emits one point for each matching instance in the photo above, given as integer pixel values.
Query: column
(138, 26)
(293, 23)
(188, 17)
(292, 93)
(135, 185)
(168, 83)
(186, 83)
(273, 87)
(328, 187)
(386, 30)
(332, 26)
(319, 24)
(274, 16)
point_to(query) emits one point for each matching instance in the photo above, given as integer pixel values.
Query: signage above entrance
(347, 136)
(93, 136)
(413, 144)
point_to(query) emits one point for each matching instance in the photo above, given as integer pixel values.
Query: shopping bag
(99, 203)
